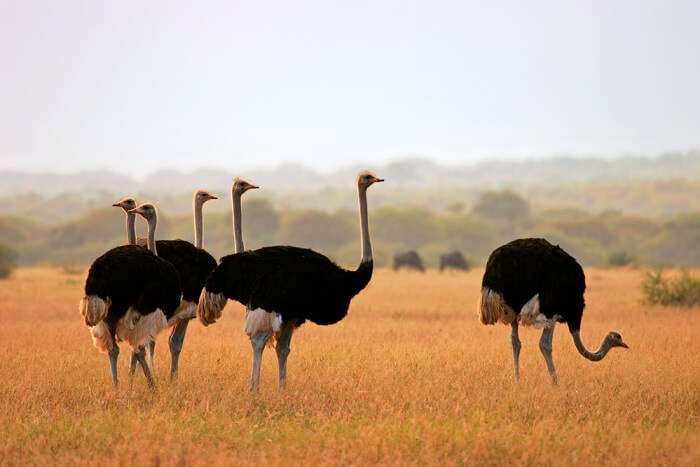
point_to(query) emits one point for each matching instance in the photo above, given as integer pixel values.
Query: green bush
(504, 206)
(684, 290)
(8, 261)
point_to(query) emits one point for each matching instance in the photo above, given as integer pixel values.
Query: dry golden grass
(409, 377)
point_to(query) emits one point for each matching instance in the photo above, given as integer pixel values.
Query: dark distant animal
(283, 286)
(534, 283)
(455, 260)
(408, 259)
(130, 293)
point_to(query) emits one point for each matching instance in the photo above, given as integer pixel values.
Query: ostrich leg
(151, 352)
(113, 356)
(546, 348)
(515, 343)
(283, 351)
(141, 357)
(133, 364)
(258, 341)
(177, 337)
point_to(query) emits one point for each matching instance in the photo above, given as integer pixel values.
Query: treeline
(609, 238)
(649, 198)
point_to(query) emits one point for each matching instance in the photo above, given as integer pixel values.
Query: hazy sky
(138, 85)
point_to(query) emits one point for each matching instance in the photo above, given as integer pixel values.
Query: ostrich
(537, 284)
(454, 260)
(130, 293)
(283, 286)
(193, 265)
(408, 259)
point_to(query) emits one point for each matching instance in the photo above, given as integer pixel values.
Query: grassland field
(408, 377)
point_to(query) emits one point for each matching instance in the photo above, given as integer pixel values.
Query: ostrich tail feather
(492, 308)
(210, 307)
(94, 309)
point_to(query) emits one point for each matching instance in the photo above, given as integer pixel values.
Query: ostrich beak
(212, 197)
(378, 180)
(117, 205)
(253, 187)
(136, 211)
(622, 344)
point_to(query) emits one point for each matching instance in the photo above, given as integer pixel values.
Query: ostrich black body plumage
(523, 268)
(131, 276)
(192, 264)
(297, 283)
(130, 293)
(532, 282)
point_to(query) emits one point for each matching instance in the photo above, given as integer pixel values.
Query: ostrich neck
(237, 230)
(198, 226)
(130, 229)
(593, 356)
(152, 235)
(364, 225)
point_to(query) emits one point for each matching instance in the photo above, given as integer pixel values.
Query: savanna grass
(409, 377)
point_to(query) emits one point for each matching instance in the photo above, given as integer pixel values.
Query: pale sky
(140, 85)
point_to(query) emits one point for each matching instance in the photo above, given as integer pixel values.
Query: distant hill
(402, 173)
(664, 186)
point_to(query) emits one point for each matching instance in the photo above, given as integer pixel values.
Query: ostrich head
(127, 203)
(146, 210)
(202, 196)
(614, 339)
(367, 178)
(241, 185)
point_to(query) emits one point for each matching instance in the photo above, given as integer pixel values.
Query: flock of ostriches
(134, 291)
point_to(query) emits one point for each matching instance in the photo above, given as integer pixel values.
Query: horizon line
(508, 158)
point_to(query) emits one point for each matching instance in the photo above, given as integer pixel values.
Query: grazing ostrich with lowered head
(537, 284)
(193, 265)
(129, 295)
(283, 286)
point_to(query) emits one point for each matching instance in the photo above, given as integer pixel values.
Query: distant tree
(677, 243)
(101, 224)
(592, 228)
(261, 222)
(410, 228)
(8, 260)
(469, 233)
(502, 206)
(316, 229)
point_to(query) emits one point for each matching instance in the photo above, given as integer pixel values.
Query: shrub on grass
(8, 261)
(684, 290)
